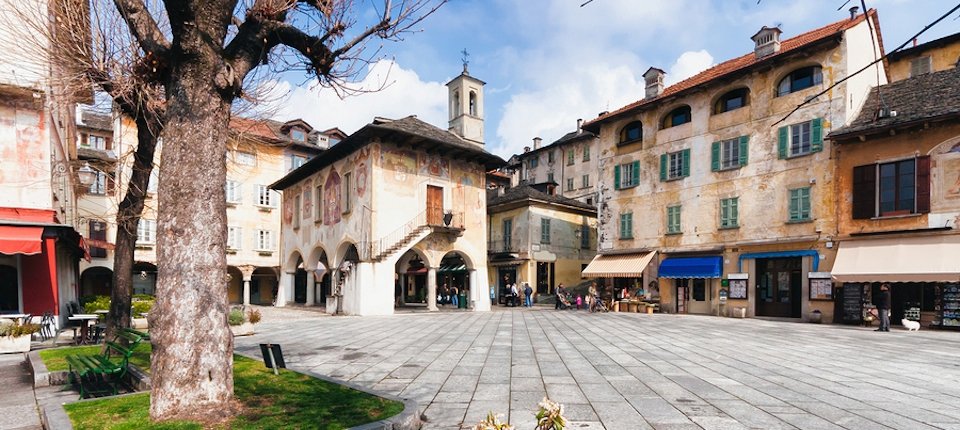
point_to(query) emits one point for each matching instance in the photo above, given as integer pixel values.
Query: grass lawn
(56, 359)
(291, 400)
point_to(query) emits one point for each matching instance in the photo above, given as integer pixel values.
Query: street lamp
(87, 175)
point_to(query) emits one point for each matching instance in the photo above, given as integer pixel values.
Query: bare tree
(177, 67)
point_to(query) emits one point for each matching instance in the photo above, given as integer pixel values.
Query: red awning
(15, 239)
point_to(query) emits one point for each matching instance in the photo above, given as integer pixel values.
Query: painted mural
(434, 165)
(401, 163)
(288, 207)
(307, 203)
(331, 198)
(946, 176)
(362, 160)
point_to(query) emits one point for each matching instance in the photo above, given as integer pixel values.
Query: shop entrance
(545, 273)
(779, 287)
(505, 276)
(693, 296)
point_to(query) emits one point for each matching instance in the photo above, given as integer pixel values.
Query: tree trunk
(192, 363)
(128, 217)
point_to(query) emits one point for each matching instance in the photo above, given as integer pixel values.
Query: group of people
(591, 301)
(449, 295)
(514, 294)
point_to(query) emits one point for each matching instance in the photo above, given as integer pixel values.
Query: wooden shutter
(816, 135)
(686, 162)
(923, 184)
(794, 205)
(714, 156)
(864, 191)
(744, 149)
(783, 140)
(663, 167)
(616, 177)
(635, 174)
(98, 231)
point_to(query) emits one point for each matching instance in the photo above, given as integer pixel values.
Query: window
(631, 132)
(146, 231)
(98, 235)
(296, 211)
(675, 165)
(234, 238)
(890, 189)
(297, 161)
(265, 240)
(680, 115)
(154, 180)
(570, 157)
(732, 100)
(245, 158)
(473, 103)
(265, 197)
(800, 204)
(347, 197)
(549, 176)
(534, 162)
(96, 142)
(318, 202)
(585, 181)
(101, 184)
(584, 236)
(626, 226)
(673, 220)
(729, 213)
(550, 157)
(507, 233)
(586, 153)
(626, 175)
(919, 66)
(800, 139)
(298, 134)
(233, 191)
(569, 184)
(800, 79)
(729, 153)
(544, 230)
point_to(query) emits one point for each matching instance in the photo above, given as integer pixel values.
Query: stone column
(475, 290)
(432, 289)
(247, 272)
(286, 283)
(311, 289)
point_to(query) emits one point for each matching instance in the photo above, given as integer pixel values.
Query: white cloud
(403, 94)
(688, 64)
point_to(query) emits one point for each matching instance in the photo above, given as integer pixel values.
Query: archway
(454, 274)
(322, 284)
(144, 278)
(300, 283)
(234, 285)
(263, 286)
(410, 281)
(96, 281)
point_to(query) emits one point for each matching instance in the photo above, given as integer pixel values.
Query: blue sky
(549, 62)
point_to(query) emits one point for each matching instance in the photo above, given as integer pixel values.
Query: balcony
(502, 247)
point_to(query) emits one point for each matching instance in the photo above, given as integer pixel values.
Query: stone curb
(43, 377)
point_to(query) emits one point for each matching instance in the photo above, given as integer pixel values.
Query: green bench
(100, 373)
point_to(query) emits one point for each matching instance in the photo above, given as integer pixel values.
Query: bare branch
(143, 27)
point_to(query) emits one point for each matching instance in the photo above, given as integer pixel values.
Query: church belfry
(466, 106)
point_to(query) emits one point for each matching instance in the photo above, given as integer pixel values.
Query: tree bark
(192, 359)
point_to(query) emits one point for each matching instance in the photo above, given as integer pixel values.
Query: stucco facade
(571, 162)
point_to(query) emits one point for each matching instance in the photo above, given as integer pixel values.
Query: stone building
(378, 219)
(932, 56)
(538, 236)
(570, 162)
(716, 193)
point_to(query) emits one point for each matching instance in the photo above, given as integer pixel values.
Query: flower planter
(10, 344)
(244, 329)
(140, 324)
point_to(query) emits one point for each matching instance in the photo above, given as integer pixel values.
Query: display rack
(950, 306)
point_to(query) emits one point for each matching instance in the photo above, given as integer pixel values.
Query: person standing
(883, 307)
(591, 296)
(560, 293)
(454, 299)
(528, 294)
(493, 295)
(514, 295)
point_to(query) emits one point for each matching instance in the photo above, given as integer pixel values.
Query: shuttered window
(800, 139)
(673, 219)
(729, 213)
(729, 153)
(98, 232)
(626, 175)
(626, 225)
(800, 204)
(675, 165)
(890, 189)
(544, 230)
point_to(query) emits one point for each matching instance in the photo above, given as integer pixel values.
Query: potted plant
(816, 316)
(16, 337)
(447, 218)
(241, 323)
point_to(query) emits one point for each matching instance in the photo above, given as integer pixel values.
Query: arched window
(732, 100)
(456, 103)
(631, 132)
(680, 115)
(800, 79)
(473, 103)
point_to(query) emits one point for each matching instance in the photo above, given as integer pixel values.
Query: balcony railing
(500, 246)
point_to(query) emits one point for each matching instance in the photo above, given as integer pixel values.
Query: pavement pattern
(18, 407)
(635, 371)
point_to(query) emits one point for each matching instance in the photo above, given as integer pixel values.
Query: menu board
(852, 303)
(821, 289)
(738, 289)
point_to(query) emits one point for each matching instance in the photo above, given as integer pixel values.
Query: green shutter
(635, 175)
(794, 205)
(744, 150)
(783, 133)
(616, 177)
(715, 156)
(816, 135)
(735, 213)
(663, 167)
(686, 162)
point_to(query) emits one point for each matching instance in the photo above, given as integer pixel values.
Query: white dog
(910, 325)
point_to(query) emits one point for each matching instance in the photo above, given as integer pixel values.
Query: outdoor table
(19, 317)
(84, 325)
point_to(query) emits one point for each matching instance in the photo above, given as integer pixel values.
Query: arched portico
(96, 281)
(410, 280)
(144, 278)
(319, 281)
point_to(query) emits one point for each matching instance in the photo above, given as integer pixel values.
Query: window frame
(729, 220)
(626, 225)
(584, 236)
(799, 208)
(585, 181)
(569, 184)
(233, 192)
(626, 130)
(674, 223)
(586, 153)
(721, 104)
(675, 165)
(298, 134)
(545, 231)
(265, 194)
(669, 120)
(146, 232)
(506, 227)
(571, 156)
(265, 237)
(627, 175)
(898, 188)
(534, 162)
(241, 158)
(234, 238)
(816, 78)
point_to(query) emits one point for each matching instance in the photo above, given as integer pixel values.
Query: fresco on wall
(288, 208)
(434, 165)
(946, 181)
(307, 203)
(331, 198)
(401, 163)
(361, 161)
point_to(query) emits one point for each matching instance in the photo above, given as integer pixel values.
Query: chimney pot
(536, 142)
(602, 113)
(653, 79)
(579, 125)
(766, 41)
(526, 149)
(853, 11)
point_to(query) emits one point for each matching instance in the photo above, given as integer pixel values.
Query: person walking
(528, 294)
(883, 307)
(561, 292)
(514, 295)
(591, 296)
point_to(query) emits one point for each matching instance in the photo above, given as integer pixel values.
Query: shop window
(800, 79)
(890, 189)
(699, 293)
(800, 139)
(729, 154)
(675, 165)
(631, 132)
(800, 204)
(626, 175)
(732, 100)
(678, 116)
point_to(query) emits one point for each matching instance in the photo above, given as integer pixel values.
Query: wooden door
(434, 205)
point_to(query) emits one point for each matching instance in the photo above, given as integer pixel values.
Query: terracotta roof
(744, 62)
(527, 192)
(928, 97)
(274, 132)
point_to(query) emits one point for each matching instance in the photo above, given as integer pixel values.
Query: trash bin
(462, 300)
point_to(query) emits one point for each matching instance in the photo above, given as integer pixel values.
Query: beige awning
(618, 266)
(913, 259)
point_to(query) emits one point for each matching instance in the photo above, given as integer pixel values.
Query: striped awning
(451, 268)
(619, 266)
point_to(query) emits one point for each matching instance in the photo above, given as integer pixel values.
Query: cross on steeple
(465, 59)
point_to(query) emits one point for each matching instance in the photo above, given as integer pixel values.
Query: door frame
(434, 212)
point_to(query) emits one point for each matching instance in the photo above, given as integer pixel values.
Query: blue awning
(691, 267)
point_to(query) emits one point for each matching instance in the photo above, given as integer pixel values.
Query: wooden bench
(100, 373)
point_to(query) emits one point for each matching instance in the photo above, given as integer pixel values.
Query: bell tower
(465, 95)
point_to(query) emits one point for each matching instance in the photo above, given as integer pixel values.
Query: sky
(549, 62)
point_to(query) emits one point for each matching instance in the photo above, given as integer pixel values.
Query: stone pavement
(635, 371)
(18, 407)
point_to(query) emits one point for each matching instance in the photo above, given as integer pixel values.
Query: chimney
(579, 125)
(654, 82)
(602, 113)
(767, 42)
(536, 142)
(526, 149)
(853, 12)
